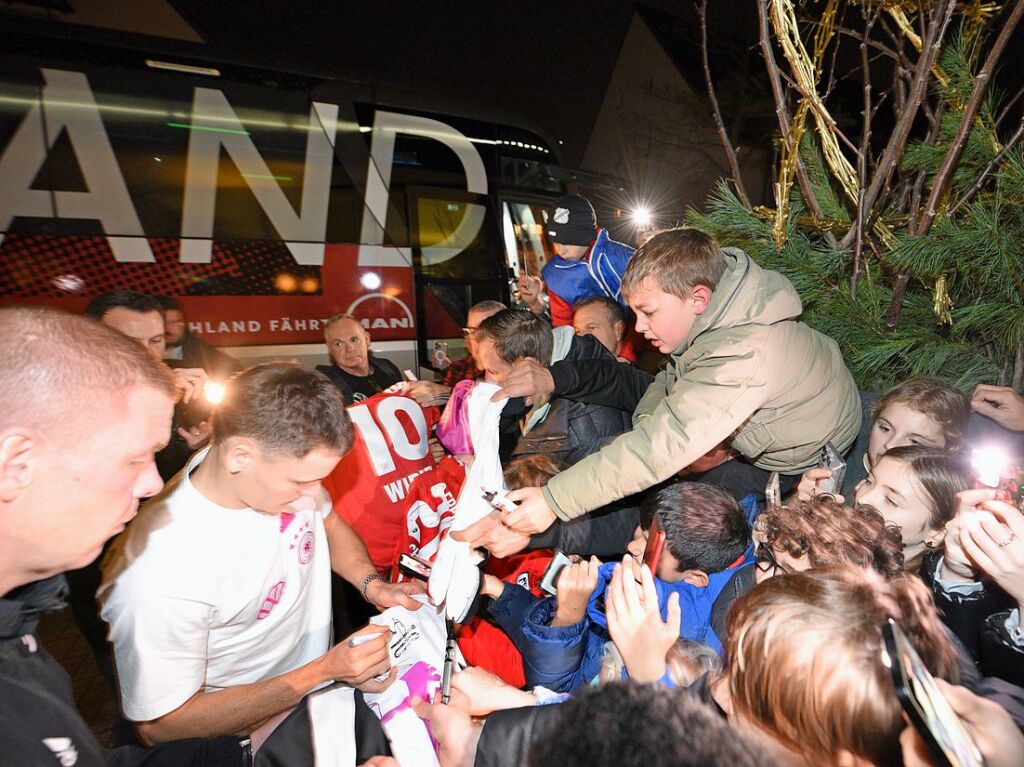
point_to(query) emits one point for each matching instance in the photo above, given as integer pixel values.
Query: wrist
(567, 616)
(367, 583)
(958, 573)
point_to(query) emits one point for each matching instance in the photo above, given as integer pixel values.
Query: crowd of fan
(759, 636)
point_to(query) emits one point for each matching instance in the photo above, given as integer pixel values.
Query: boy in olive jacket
(742, 369)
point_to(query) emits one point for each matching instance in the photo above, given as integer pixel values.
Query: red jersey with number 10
(369, 485)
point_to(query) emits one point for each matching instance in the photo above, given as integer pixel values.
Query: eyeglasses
(764, 557)
(467, 332)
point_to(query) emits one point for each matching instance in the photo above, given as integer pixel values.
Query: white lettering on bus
(67, 106)
(201, 172)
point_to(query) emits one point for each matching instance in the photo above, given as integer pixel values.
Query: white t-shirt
(202, 597)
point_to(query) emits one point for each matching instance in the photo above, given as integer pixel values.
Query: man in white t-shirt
(218, 596)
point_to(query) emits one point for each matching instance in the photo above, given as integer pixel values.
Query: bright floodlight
(370, 280)
(214, 392)
(642, 217)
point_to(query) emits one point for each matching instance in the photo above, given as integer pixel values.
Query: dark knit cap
(572, 221)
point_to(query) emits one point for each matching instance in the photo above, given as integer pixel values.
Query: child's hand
(807, 490)
(956, 565)
(576, 584)
(634, 621)
(492, 587)
(994, 542)
(487, 693)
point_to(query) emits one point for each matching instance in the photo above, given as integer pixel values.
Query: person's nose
(149, 482)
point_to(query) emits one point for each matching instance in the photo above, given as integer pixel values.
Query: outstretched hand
(634, 621)
(532, 513)
(527, 379)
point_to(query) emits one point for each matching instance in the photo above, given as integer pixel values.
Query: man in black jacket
(357, 373)
(564, 428)
(76, 455)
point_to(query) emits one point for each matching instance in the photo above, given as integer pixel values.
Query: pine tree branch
(932, 40)
(775, 78)
(730, 152)
(981, 81)
(1011, 142)
(1008, 106)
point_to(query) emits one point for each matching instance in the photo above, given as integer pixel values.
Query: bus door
(457, 260)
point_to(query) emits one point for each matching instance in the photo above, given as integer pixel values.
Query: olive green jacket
(748, 371)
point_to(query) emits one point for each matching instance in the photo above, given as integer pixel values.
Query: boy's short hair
(705, 529)
(613, 308)
(633, 725)
(518, 333)
(531, 470)
(287, 409)
(677, 260)
(937, 399)
(829, 534)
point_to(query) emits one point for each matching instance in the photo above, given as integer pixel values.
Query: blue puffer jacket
(565, 658)
(599, 274)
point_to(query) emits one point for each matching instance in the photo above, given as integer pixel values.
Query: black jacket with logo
(38, 721)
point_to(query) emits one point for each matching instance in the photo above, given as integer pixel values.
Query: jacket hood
(746, 295)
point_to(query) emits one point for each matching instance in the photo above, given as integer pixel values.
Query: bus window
(526, 247)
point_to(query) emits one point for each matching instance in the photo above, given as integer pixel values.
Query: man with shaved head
(85, 410)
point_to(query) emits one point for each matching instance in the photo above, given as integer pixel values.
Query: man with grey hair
(77, 447)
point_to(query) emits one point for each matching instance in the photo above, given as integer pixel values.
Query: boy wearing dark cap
(587, 262)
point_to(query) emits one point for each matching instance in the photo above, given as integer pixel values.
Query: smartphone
(924, 703)
(549, 581)
(655, 545)
(772, 492)
(831, 459)
(994, 469)
(413, 567)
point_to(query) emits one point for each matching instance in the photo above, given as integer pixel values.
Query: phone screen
(655, 544)
(925, 704)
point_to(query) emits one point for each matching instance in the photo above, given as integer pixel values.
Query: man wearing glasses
(466, 368)
(358, 374)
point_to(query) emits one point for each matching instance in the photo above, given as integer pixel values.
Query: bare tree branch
(956, 147)
(730, 152)
(932, 40)
(862, 154)
(775, 78)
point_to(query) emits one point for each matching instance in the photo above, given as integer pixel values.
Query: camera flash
(991, 464)
(214, 392)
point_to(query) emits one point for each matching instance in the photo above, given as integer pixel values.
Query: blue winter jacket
(599, 274)
(565, 658)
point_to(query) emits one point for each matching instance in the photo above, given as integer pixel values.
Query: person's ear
(238, 453)
(697, 578)
(620, 329)
(701, 297)
(935, 539)
(18, 450)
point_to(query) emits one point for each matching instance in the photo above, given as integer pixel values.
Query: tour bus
(264, 203)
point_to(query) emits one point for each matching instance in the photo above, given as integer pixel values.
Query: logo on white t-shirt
(306, 547)
(271, 600)
(64, 749)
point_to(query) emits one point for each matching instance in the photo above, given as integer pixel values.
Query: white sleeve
(160, 646)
